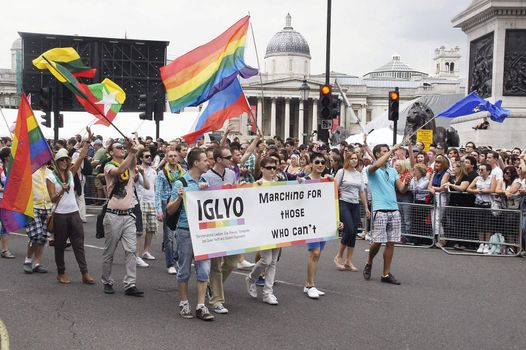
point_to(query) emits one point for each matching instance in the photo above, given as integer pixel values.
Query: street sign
(426, 137)
(326, 124)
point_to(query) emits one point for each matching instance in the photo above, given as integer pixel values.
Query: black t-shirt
(463, 199)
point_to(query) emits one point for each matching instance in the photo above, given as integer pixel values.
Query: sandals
(338, 264)
(350, 268)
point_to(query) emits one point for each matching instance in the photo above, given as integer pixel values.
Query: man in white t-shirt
(492, 158)
(147, 199)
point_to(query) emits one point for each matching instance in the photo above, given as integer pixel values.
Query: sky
(365, 34)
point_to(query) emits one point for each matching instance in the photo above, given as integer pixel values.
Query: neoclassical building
(10, 83)
(281, 110)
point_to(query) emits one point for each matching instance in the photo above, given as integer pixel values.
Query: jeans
(267, 263)
(350, 217)
(170, 252)
(185, 252)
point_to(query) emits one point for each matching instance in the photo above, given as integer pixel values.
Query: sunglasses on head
(270, 167)
(318, 162)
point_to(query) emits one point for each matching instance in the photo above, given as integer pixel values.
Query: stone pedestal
(496, 31)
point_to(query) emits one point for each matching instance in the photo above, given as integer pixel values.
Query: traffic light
(158, 113)
(60, 121)
(145, 107)
(335, 107)
(326, 102)
(46, 119)
(394, 103)
(44, 101)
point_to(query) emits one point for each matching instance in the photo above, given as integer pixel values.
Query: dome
(288, 42)
(17, 44)
(395, 69)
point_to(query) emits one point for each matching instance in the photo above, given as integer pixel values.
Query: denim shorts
(316, 245)
(186, 256)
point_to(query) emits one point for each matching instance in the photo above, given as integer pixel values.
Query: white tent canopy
(377, 136)
(173, 125)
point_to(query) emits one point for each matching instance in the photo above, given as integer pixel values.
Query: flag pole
(6, 124)
(89, 102)
(260, 81)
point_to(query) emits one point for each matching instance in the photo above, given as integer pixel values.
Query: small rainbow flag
(228, 103)
(201, 73)
(28, 153)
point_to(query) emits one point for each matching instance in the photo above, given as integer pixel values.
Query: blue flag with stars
(473, 103)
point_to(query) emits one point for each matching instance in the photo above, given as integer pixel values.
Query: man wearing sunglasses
(386, 217)
(221, 267)
(147, 200)
(119, 222)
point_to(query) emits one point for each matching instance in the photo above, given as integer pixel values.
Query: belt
(119, 212)
(386, 210)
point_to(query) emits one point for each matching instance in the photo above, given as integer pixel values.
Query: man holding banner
(221, 267)
(198, 165)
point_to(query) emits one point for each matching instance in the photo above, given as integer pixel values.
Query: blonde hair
(403, 164)
(421, 168)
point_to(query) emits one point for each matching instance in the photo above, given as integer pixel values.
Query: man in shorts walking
(386, 217)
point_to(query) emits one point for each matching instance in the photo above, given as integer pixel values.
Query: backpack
(495, 244)
(173, 219)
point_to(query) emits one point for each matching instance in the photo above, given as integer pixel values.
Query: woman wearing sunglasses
(67, 222)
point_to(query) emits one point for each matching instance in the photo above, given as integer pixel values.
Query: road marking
(4, 337)
(246, 274)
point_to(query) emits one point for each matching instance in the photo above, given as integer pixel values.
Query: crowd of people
(387, 195)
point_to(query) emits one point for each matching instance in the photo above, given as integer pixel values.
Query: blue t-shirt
(192, 185)
(382, 184)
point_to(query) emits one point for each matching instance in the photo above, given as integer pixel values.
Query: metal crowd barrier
(90, 192)
(461, 229)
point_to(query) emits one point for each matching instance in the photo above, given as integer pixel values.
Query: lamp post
(304, 96)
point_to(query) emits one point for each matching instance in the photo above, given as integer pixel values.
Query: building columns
(259, 113)
(286, 125)
(300, 121)
(273, 118)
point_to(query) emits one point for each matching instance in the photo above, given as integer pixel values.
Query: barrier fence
(443, 220)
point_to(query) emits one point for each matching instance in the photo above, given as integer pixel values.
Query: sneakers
(203, 314)
(245, 265)
(185, 311)
(390, 279)
(108, 289)
(133, 291)
(38, 269)
(367, 272)
(28, 268)
(220, 309)
(481, 248)
(260, 282)
(313, 292)
(486, 249)
(148, 256)
(270, 299)
(141, 262)
(6, 254)
(172, 270)
(251, 288)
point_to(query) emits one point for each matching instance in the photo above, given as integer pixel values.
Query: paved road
(444, 302)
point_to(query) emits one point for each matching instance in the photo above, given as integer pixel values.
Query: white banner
(250, 217)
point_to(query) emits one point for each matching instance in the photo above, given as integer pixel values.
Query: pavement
(444, 302)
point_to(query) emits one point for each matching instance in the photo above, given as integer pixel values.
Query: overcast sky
(365, 34)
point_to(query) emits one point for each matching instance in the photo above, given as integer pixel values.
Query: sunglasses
(318, 162)
(63, 159)
(227, 157)
(270, 168)
(121, 147)
(147, 156)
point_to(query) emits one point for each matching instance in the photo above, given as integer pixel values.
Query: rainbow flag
(228, 103)
(28, 153)
(201, 73)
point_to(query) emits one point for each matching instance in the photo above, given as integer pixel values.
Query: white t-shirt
(147, 196)
(67, 204)
(497, 173)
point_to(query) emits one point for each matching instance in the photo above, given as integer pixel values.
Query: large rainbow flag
(228, 103)
(201, 73)
(28, 153)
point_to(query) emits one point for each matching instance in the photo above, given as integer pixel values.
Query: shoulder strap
(167, 178)
(183, 181)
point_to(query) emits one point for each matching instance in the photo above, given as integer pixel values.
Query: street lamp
(304, 96)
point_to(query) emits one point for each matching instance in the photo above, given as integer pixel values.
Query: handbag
(50, 223)
(496, 206)
(173, 219)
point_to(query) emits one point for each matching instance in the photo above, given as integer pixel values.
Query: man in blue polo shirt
(198, 165)
(386, 217)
